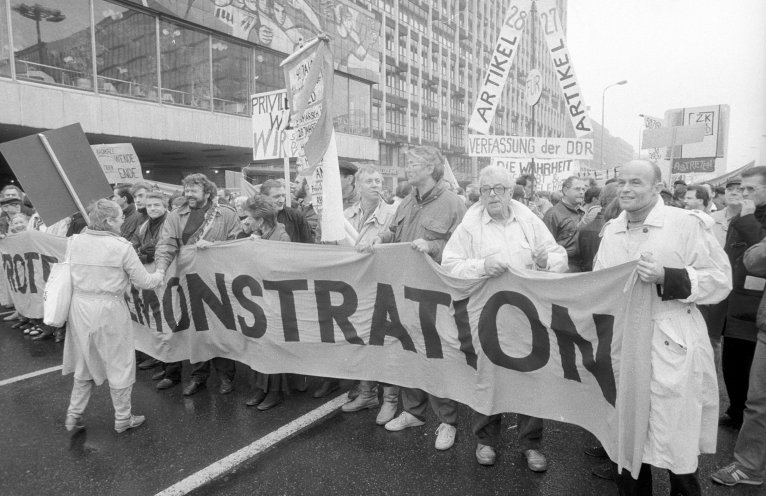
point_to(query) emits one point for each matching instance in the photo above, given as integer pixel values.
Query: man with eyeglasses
(426, 219)
(562, 220)
(497, 234)
(747, 227)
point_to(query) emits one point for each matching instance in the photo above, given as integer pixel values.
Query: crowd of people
(702, 247)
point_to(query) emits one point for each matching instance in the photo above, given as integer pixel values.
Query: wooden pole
(64, 177)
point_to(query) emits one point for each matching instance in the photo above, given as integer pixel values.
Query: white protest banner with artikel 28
(569, 347)
(550, 20)
(500, 65)
(480, 145)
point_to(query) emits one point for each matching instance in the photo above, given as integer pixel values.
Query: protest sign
(522, 342)
(654, 123)
(507, 46)
(119, 162)
(56, 196)
(271, 138)
(550, 20)
(537, 147)
(549, 174)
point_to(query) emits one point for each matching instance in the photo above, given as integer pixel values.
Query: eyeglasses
(498, 189)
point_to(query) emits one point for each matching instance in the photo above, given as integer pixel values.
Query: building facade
(612, 153)
(174, 78)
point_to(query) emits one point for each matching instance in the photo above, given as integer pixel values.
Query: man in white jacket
(676, 251)
(498, 233)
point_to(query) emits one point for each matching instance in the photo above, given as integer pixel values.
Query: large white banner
(550, 21)
(538, 147)
(500, 65)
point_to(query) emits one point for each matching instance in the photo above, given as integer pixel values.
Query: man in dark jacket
(563, 218)
(294, 221)
(124, 199)
(745, 230)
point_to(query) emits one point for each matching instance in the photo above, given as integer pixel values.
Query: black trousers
(201, 370)
(736, 358)
(680, 485)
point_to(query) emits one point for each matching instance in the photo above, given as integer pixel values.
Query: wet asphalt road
(343, 454)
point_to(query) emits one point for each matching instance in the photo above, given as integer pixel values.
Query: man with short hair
(198, 221)
(139, 190)
(124, 199)
(294, 221)
(10, 207)
(426, 219)
(679, 191)
(518, 239)
(697, 198)
(676, 252)
(537, 203)
(369, 217)
(746, 229)
(563, 218)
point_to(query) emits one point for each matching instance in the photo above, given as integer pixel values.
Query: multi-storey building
(614, 151)
(174, 78)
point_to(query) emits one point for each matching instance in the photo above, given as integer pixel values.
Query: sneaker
(405, 420)
(73, 424)
(131, 423)
(734, 474)
(485, 455)
(536, 461)
(361, 402)
(445, 436)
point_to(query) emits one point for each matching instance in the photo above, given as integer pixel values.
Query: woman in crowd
(262, 213)
(99, 345)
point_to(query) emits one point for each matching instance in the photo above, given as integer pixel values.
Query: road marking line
(30, 375)
(235, 459)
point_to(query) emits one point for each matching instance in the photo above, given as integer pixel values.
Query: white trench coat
(683, 416)
(99, 341)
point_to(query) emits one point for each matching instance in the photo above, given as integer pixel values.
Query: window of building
(359, 103)
(185, 60)
(232, 74)
(267, 76)
(53, 45)
(126, 51)
(340, 108)
(5, 51)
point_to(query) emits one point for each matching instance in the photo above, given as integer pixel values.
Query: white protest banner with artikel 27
(523, 342)
(480, 145)
(119, 162)
(500, 65)
(550, 20)
(271, 138)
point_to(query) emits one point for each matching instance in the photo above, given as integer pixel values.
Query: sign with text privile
(119, 162)
(522, 342)
(521, 147)
(271, 138)
(40, 178)
(550, 21)
(500, 65)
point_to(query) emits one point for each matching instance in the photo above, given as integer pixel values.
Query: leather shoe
(226, 386)
(149, 363)
(485, 455)
(166, 383)
(596, 451)
(326, 388)
(257, 398)
(158, 375)
(193, 387)
(536, 461)
(271, 400)
(605, 471)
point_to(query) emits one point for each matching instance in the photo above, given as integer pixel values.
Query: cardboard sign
(39, 177)
(689, 165)
(507, 46)
(270, 116)
(119, 162)
(518, 146)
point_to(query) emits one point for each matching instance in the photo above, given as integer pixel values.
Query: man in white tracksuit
(678, 253)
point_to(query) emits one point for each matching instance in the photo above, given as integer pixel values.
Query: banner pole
(288, 195)
(64, 177)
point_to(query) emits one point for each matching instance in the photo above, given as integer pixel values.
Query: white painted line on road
(230, 462)
(18, 378)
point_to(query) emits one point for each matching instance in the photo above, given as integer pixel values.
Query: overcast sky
(674, 53)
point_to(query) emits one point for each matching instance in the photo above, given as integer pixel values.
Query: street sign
(119, 162)
(480, 145)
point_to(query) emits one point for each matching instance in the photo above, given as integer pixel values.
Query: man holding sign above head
(676, 251)
(498, 234)
(426, 219)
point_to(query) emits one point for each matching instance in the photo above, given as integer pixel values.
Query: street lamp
(640, 133)
(603, 124)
